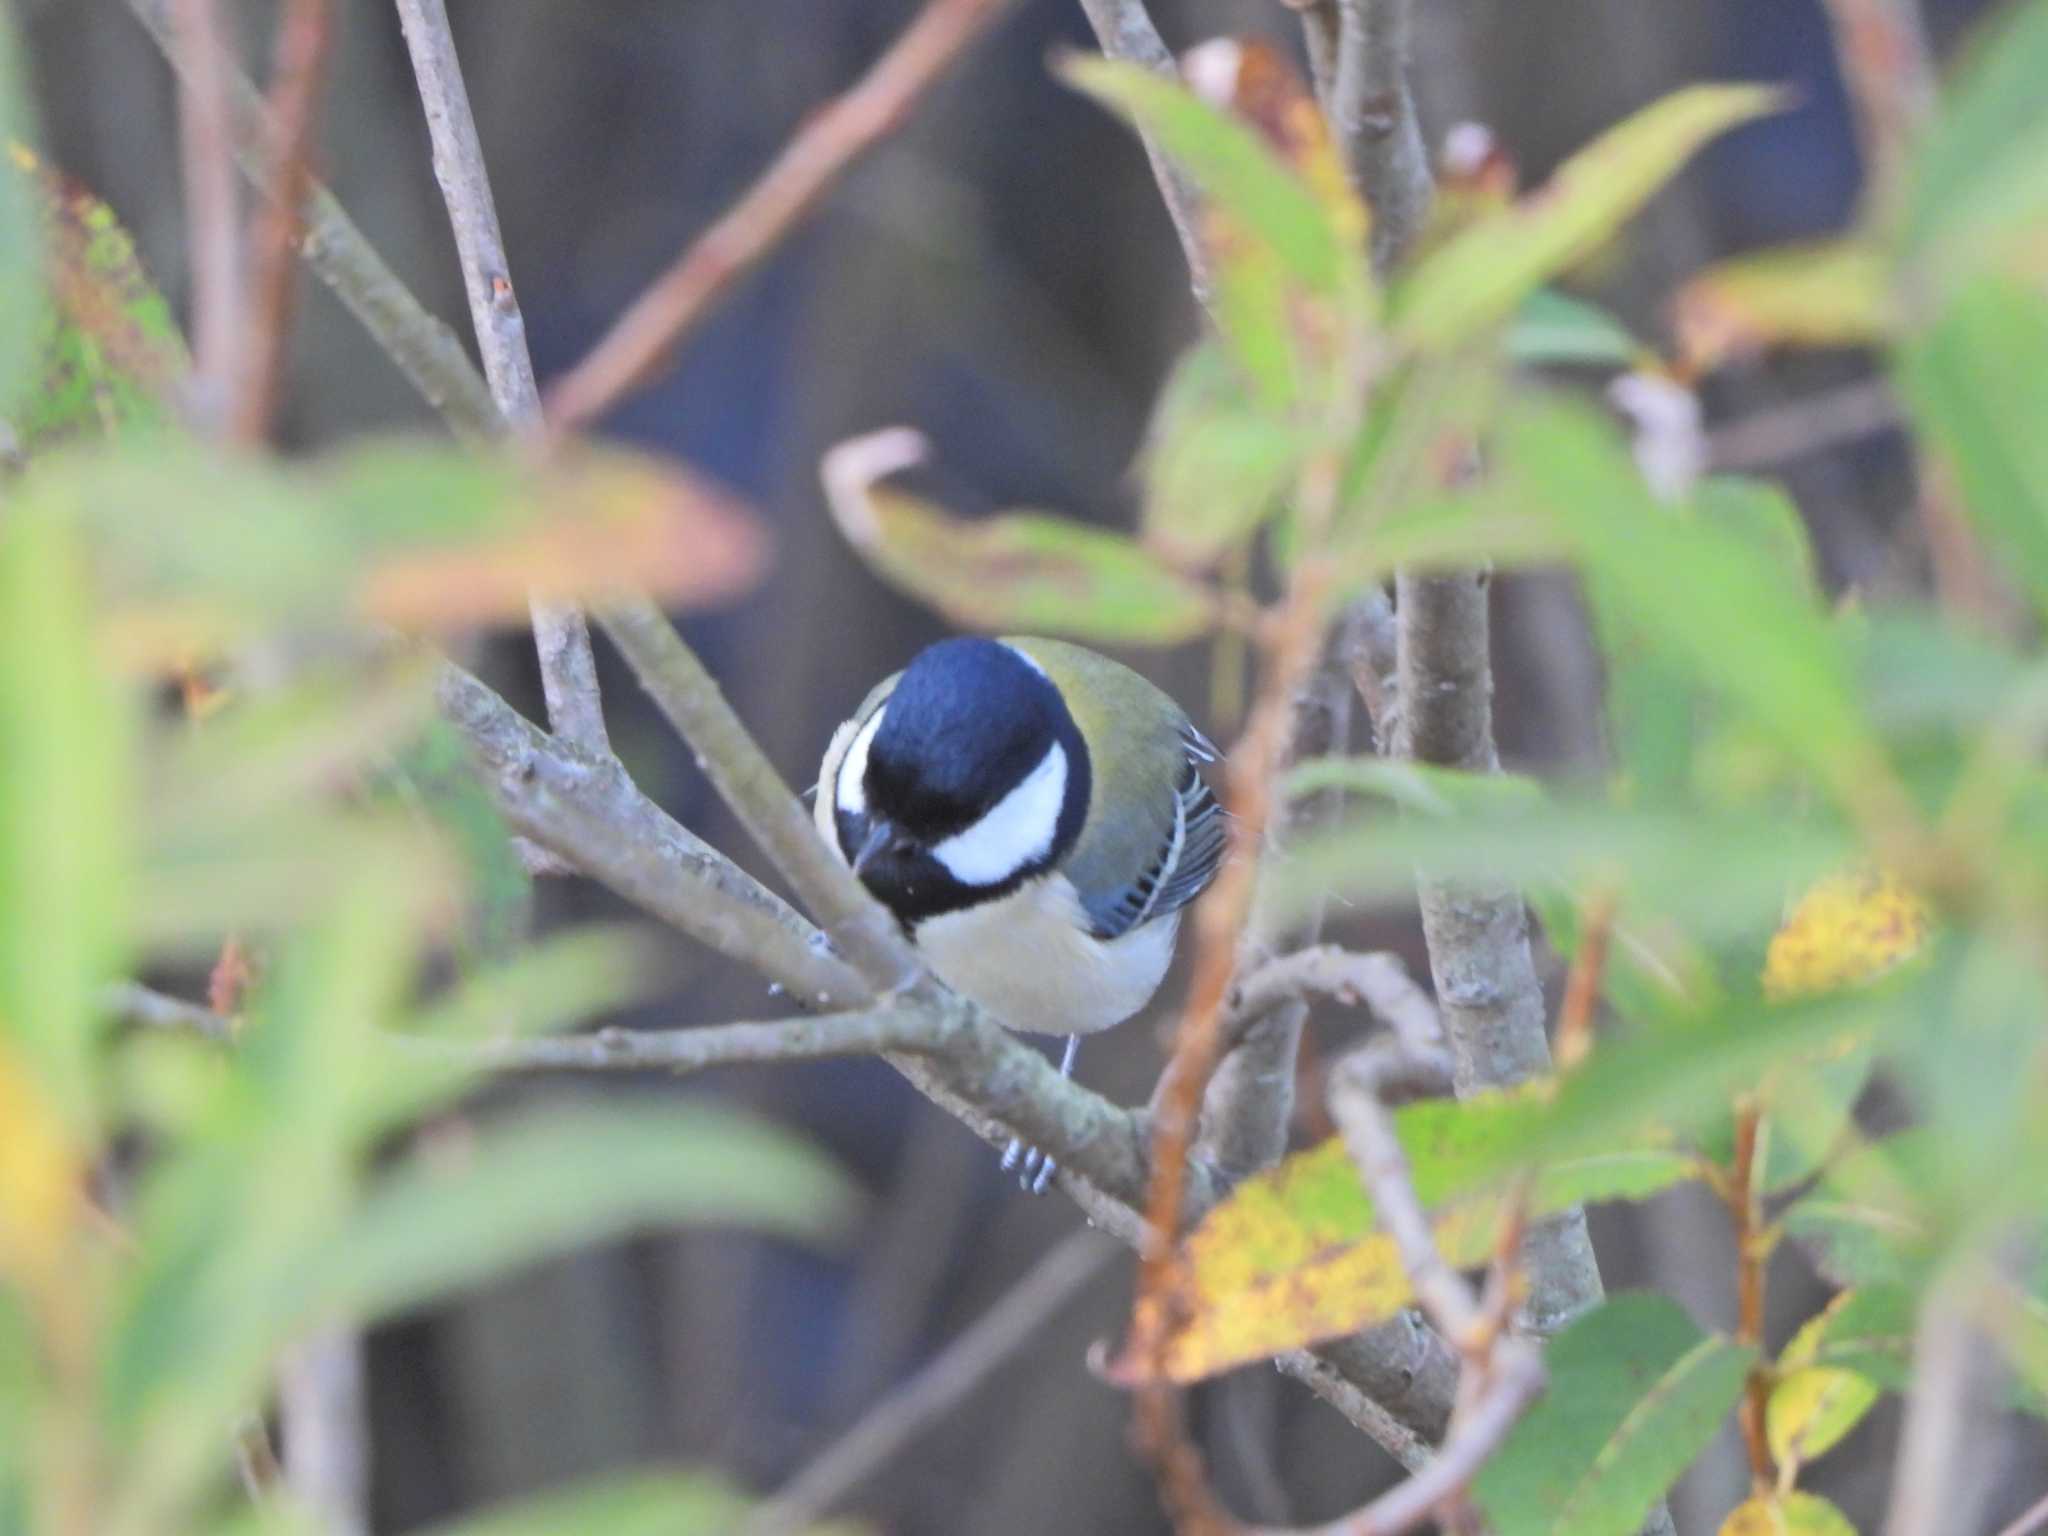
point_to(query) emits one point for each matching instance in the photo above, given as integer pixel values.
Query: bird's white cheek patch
(850, 793)
(1017, 832)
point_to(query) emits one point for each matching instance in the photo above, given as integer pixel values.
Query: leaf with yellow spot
(1846, 929)
(39, 1179)
(1812, 1408)
(1789, 1514)
(1293, 1257)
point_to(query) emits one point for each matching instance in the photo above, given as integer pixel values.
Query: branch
(641, 342)
(1932, 1491)
(425, 350)
(691, 701)
(305, 36)
(1886, 66)
(1372, 112)
(938, 1388)
(321, 1406)
(213, 228)
(140, 1008)
(568, 670)
(589, 812)
(1125, 31)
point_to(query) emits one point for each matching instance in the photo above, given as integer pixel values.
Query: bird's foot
(1037, 1169)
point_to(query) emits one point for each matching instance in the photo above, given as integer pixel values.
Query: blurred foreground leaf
(1787, 1514)
(1491, 267)
(630, 1504)
(1636, 1392)
(1554, 329)
(1835, 294)
(1293, 1257)
(1027, 571)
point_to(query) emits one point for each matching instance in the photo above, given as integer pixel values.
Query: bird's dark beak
(880, 836)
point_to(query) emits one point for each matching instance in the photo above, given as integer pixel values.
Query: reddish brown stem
(1582, 985)
(305, 37)
(643, 339)
(1751, 1254)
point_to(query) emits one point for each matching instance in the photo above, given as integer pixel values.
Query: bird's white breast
(1029, 959)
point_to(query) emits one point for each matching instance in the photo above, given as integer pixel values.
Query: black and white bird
(1035, 816)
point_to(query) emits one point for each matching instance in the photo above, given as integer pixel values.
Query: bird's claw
(1036, 1173)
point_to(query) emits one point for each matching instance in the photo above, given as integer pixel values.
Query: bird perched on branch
(1035, 816)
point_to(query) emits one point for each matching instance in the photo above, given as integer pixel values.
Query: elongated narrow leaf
(1556, 329)
(1489, 269)
(1704, 592)
(1293, 1257)
(65, 813)
(1025, 571)
(559, 1180)
(1978, 382)
(1977, 188)
(1636, 1392)
(1835, 294)
(1812, 1408)
(1228, 161)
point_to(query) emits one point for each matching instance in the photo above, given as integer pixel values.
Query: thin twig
(835, 138)
(1813, 424)
(1931, 1444)
(213, 226)
(1582, 983)
(1125, 31)
(305, 37)
(568, 669)
(691, 700)
(141, 1008)
(322, 1407)
(1751, 1253)
(941, 1386)
(1886, 65)
(1379, 981)
(424, 349)
(2035, 1519)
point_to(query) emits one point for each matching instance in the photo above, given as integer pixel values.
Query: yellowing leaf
(1812, 1408)
(1834, 294)
(1485, 272)
(1791, 1514)
(1293, 1257)
(1016, 571)
(39, 1178)
(1846, 929)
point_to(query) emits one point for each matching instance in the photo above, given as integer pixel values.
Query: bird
(1036, 818)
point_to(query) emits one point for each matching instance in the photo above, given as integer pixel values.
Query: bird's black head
(973, 779)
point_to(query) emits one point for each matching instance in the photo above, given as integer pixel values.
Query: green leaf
(1556, 329)
(1787, 1514)
(1868, 1330)
(1230, 164)
(113, 359)
(65, 813)
(1017, 571)
(1812, 1408)
(1293, 1257)
(1216, 465)
(629, 1504)
(1703, 591)
(1978, 383)
(1836, 293)
(1976, 189)
(549, 1182)
(1489, 269)
(1636, 1392)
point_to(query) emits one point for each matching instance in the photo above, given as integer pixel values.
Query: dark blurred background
(1002, 276)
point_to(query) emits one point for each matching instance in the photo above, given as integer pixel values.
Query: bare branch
(942, 1385)
(587, 811)
(641, 342)
(568, 670)
(305, 36)
(1379, 981)
(691, 700)
(1932, 1490)
(1812, 424)
(861, 1032)
(1125, 31)
(140, 1008)
(425, 350)
(2033, 1520)
(1372, 112)
(213, 225)
(322, 1408)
